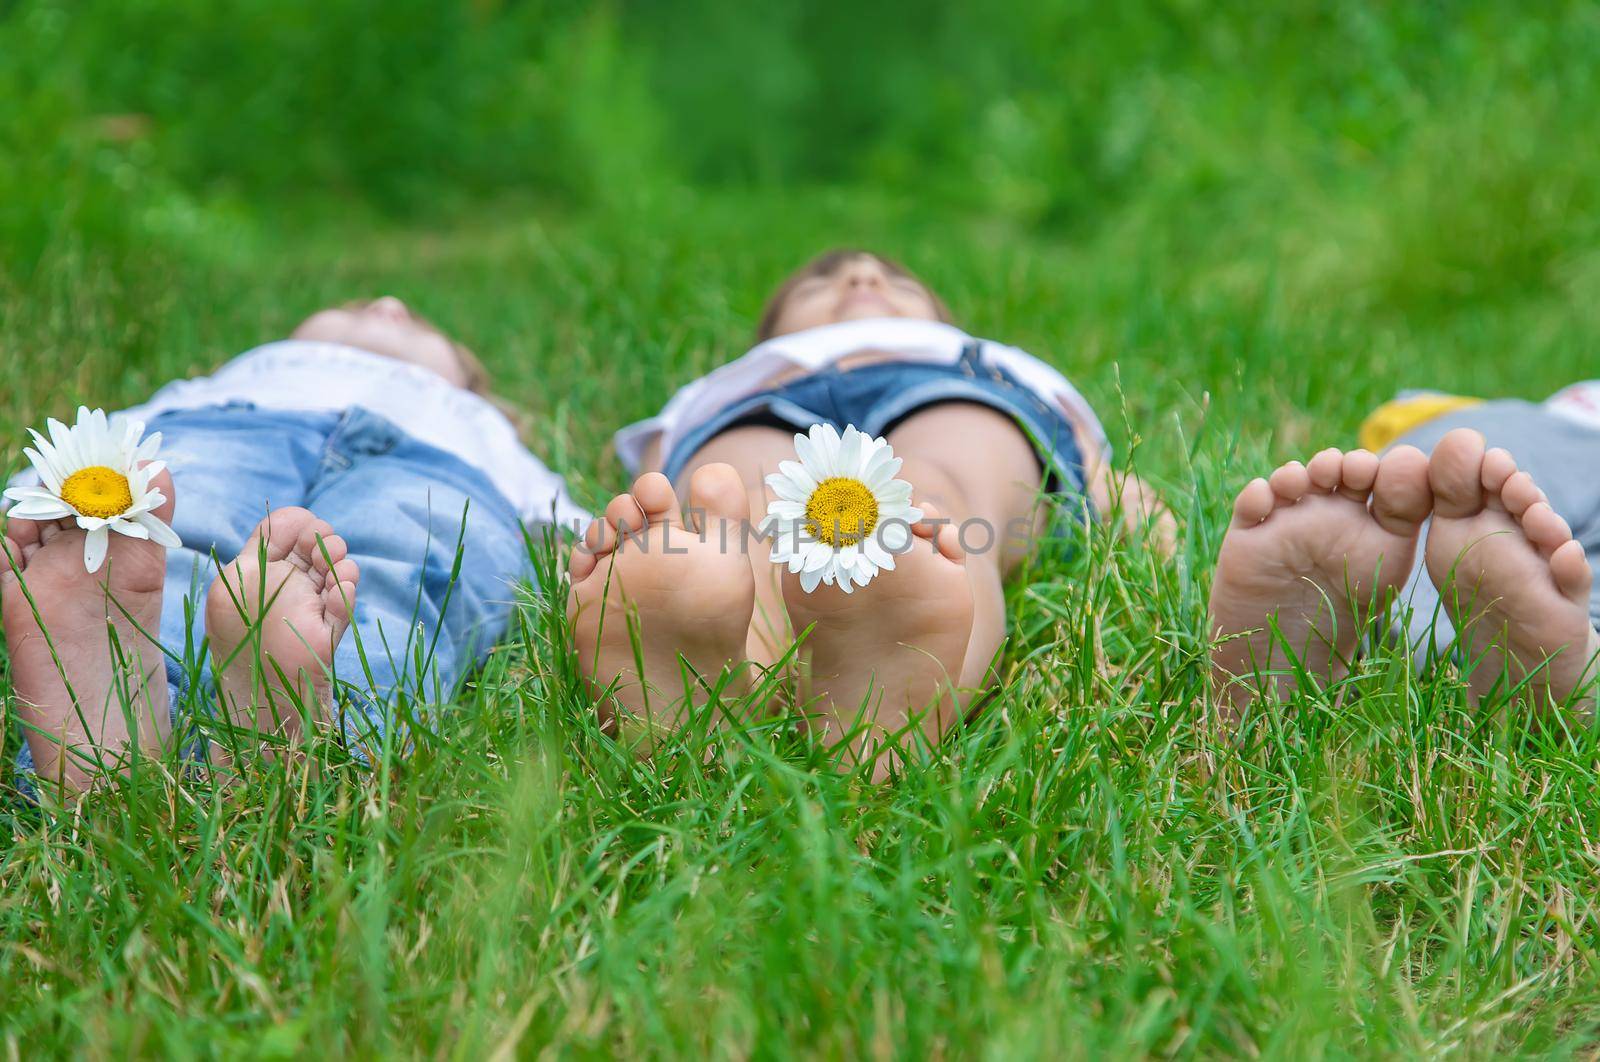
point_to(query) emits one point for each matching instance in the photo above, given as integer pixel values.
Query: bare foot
(1515, 582)
(86, 671)
(660, 609)
(888, 656)
(274, 617)
(1323, 548)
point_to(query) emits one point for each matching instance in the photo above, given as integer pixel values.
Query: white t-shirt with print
(321, 377)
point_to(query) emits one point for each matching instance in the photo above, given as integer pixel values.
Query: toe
(1545, 528)
(1357, 473)
(599, 539)
(1569, 567)
(1324, 469)
(949, 542)
(1518, 492)
(1401, 495)
(24, 533)
(625, 515)
(717, 493)
(320, 546)
(280, 532)
(581, 564)
(1290, 482)
(162, 481)
(1254, 503)
(339, 590)
(655, 497)
(1498, 466)
(1455, 473)
(14, 560)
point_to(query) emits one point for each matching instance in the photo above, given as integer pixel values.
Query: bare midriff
(850, 361)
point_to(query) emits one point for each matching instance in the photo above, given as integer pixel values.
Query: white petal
(45, 508)
(852, 452)
(160, 533)
(131, 528)
(818, 555)
(95, 544)
(800, 476)
(91, 523)
(807, 451)
(894, 536)
(66, 450)
(881, 466)
(809, 581)
(786, 510)
(785, 486)
(47, 474)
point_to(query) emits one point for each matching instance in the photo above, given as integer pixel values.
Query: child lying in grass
(983, 428)
(1324, 547)
(373, 441)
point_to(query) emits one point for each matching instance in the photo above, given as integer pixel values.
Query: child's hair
(826, 264)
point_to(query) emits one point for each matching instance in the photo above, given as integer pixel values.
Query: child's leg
(89, 679)
(904, 646)
(1515, 582)
(984, 476)
(398, 510)
(1316, 551)
(661, 606)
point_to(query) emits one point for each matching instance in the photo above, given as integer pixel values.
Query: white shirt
(1579, 402)
(328, 377)
(814, 349)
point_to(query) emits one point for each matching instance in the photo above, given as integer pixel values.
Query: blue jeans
(402, 506)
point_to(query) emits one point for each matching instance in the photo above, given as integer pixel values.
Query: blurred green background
(1324, 201)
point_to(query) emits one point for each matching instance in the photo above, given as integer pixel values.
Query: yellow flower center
(98, 491)
(841, 512)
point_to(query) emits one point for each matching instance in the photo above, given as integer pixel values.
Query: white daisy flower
(92, 472)
(840, 515)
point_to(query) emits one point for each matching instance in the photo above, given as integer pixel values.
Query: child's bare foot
(1511, 575)
(86, 673)
(654, 599)
(274, 617)
(1323, 547)
(891, 653)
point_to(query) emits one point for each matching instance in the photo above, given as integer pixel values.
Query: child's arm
(1125, 494)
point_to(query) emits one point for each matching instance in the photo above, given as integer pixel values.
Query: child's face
(860, 287)
(386, 326)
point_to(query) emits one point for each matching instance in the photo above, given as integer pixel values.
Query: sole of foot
(90, 682)
(1514, 581)
(274, 617)
(661, 607)
(886, 659)
(1320, 548)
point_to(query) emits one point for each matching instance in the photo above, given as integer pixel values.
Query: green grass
(1237, 230)
(1083, 870)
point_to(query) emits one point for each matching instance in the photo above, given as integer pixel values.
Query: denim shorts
(874, 398)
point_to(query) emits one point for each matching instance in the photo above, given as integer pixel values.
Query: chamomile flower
(840, 515)
(91, 472)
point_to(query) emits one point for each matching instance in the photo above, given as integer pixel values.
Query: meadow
(1238, 228)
